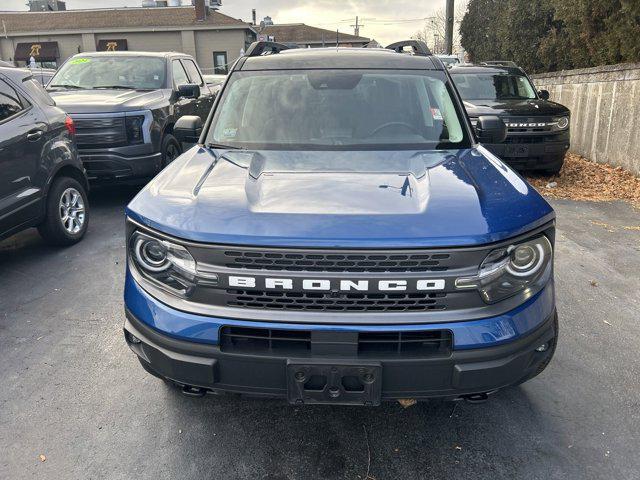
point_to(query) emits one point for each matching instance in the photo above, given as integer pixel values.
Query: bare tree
(434, 29)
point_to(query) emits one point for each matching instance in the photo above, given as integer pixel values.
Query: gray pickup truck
(125, 104)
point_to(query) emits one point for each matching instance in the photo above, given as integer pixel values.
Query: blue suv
(339, 235)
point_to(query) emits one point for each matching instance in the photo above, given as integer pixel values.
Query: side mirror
(544, 94)
(491, 129)
(188, 129)
(189, 90)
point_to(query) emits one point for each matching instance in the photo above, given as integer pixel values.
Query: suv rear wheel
(67, 213)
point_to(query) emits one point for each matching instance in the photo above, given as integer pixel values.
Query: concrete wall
(68, 45)
(209, 41)
(605, 111)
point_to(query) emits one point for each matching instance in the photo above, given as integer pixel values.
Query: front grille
(525, 140)
(296, 265)
(100, 132)
(333, 262)
(263, 340)
(418, 343)
(304, 343)
(337, 302)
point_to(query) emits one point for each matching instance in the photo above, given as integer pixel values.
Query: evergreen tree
(546, 35)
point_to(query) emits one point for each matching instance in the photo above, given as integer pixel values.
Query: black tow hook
(190, 391)
(476, 398)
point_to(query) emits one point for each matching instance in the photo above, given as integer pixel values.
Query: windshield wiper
(62, 85)
(222, 146)
(114, 87)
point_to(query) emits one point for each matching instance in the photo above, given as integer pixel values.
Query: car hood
(105, 101)
(340, 199)
(528, 108)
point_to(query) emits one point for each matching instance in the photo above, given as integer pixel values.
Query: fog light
(134, 339)
(543, 348)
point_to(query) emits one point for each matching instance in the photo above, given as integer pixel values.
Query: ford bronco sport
(339, 235)
(538, 131)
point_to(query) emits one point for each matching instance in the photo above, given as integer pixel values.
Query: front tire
(66, 213)
(171, 149)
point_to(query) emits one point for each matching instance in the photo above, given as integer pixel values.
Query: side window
(10, 103)
(179, 75)
(220, 63)
(193, 72)
(37, 91)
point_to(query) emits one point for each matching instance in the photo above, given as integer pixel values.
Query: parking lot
(76, 403)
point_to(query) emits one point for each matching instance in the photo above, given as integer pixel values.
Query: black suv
(125, 104)
(42, 181)
(537, 129)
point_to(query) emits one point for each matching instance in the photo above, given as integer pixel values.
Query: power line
(390, 21)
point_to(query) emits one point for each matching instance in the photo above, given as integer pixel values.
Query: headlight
(134, 127)
(561, 122)
(166, 264)
(508, 271)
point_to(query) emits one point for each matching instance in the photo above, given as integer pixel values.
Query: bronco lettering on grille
(337, 285)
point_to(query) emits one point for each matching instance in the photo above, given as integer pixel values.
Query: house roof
(111, 18)
(302, 33)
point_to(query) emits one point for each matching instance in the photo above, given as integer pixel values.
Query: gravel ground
(75, 404)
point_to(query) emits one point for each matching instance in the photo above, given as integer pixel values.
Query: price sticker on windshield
(77, 61)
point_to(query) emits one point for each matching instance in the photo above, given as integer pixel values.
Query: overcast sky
(384, 20)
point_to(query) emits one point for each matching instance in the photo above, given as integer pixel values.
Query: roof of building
(108, 18)
(301, 33)
(325, 58)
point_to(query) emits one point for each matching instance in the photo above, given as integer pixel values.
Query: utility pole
(448, 37)
(356, 27)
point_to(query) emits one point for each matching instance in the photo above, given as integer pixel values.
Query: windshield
(140, 73)
(493, 86)
(337, 109)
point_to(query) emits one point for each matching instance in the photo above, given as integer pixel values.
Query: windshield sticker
(435, 112)
(230, 132)
(77, 61)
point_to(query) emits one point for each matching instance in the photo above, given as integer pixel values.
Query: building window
(220, 63)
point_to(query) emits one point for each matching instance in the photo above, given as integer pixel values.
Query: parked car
(42, 181)
(214, 80)
(348, 241)
(449, 60)
(125, 105)
(43, 75)
(538, 134)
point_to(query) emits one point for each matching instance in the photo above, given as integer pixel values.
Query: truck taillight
(71, 127)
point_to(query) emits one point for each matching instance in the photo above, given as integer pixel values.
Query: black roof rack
(499, 63)
(418, 46)
(265, 48)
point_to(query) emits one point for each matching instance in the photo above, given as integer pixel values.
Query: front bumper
(531, 156)
(487, 354)
(463, 373)
(109, 166)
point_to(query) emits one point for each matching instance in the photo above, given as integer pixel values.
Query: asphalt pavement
(75, 404)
